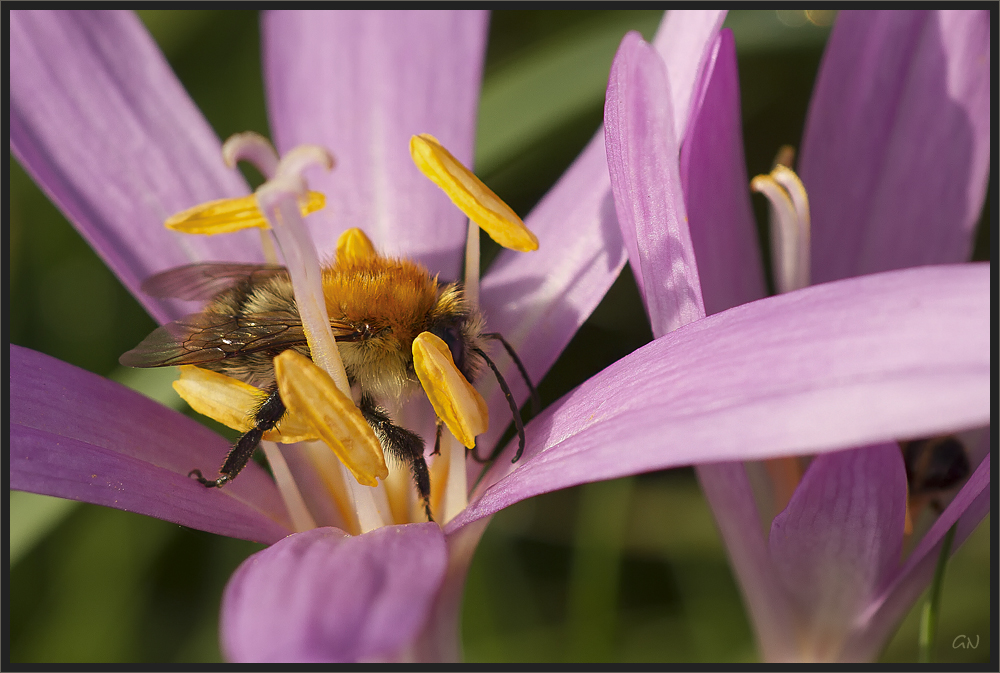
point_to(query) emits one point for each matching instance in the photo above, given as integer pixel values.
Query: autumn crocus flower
(894, 176)
(336, 80)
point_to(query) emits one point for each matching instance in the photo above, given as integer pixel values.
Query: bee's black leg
(266, 417)
(401, 444)
(437, 439)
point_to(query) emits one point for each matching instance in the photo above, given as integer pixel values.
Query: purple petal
(728, 491)
(896, 150)
(714, 176)
(968, 509)
(871, 359)
(644, 163)
(538, 300)
(441, 638)
(360, 84)
(76, 435)
(683, 40)
(838, 540)
(101, 123)
(324, 596)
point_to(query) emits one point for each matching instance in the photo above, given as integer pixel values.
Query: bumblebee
(376, 305)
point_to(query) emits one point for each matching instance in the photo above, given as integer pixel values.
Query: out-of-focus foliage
(629, 570)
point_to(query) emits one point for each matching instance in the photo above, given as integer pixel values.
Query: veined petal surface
(714, 177)
(865, 360)
(838, 540)
(539, 300)
(681, 40)
(896, 150)
(76, 435)
(644, 164)
(99, 120)
(361, 83)
(966, 511)
(323, 596)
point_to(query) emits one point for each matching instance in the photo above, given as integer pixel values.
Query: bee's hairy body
(376, 305)
(387, 302)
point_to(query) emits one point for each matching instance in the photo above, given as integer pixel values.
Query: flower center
(322, 399)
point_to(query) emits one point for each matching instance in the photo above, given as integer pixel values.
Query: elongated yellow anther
(230, 402)
(471, 196)
(310, 392)
(455, 401)
(228, 215)
(353, 245)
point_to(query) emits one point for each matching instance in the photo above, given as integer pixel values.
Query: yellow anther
(353, 245)
(472, 197)
(230, 401)
(309, 392)
(455, 401)
(228, 215)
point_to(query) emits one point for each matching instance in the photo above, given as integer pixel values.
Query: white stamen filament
(456, 495)
(787, 178)
(253, 148)
(302, 520)
(257, 150)
(790, 235)
(278, 200)
(472, 265)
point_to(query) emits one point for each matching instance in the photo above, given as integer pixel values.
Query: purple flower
(894, 161)
(362, 84)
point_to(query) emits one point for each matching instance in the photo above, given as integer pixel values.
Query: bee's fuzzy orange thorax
(393, 298)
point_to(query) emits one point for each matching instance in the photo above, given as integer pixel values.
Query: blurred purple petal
(714, 176)
(76, 435)
(324, 596)
(538, 300)
(728, 491)
(683, 40)
(896, 151)
(101, 123)
(644, 164)
(968, 509)
(360, 84)
(441, 638)
(860, 361)
(838, 540)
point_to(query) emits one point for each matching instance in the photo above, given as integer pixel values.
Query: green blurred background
(627, 570)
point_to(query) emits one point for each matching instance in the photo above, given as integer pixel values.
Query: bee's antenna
(510, 400)
(536, 404)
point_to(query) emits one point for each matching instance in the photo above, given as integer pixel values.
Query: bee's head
(460, 327)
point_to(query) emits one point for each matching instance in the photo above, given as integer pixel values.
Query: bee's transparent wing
(204, 281)
(201, 338)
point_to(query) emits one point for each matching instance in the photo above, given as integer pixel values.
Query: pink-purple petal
(538, 300)
(101, 123)
(714, 177)
(324, 596)
(728, 492)
(644, 164)
(896, 150)
(360, 83)
(76, 435)
(967, 510)
(441, 639)
(865, 360)
(838, 540)
(683, 40)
